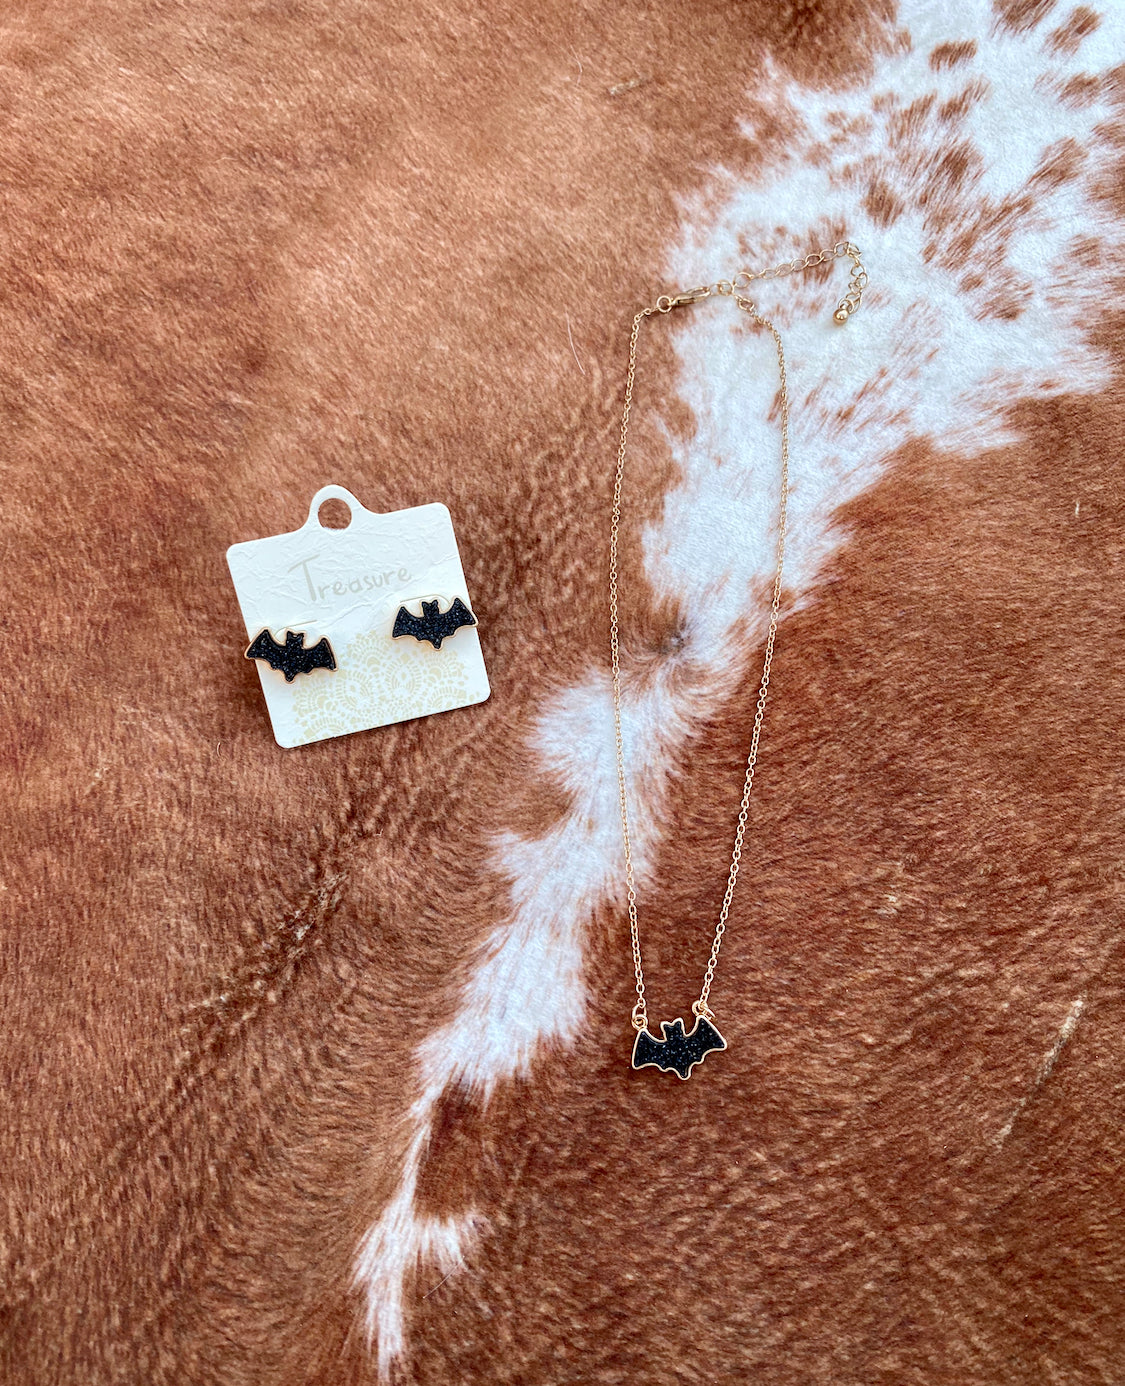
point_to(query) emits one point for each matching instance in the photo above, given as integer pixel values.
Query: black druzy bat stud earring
(291, 658)
(677, 1052)
(434, 624)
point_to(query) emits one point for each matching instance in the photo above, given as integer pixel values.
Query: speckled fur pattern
(268, 1013)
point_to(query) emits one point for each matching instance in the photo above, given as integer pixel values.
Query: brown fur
(254, 249)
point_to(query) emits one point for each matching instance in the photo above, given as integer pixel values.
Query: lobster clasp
(666, 302)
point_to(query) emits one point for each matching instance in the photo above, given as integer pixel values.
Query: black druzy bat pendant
(292, 658)
(433, 625)
(676, 1051)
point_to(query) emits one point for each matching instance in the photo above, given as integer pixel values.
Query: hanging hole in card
(334, 513)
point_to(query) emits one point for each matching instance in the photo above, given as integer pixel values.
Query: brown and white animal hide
(316, 1062)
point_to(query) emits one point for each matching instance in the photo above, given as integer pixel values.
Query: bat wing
(701, 1039)
(319, 656)
(459, 615)
(406, 623)
(649, 1050)
(264, 646)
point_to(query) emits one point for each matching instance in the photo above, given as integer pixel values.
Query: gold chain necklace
(679, 1051)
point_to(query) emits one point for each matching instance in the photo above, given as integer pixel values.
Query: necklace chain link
(735, 288)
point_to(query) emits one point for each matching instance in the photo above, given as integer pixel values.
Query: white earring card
(322, 607)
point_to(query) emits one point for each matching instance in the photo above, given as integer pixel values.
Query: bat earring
(433, 625)
(291, 658)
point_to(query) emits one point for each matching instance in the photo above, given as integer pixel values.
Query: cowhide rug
(316, 1061)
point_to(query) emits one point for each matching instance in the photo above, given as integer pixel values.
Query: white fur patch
(981, 291)
(399, 1243)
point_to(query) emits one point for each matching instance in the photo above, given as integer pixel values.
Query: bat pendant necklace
(680, 1050)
